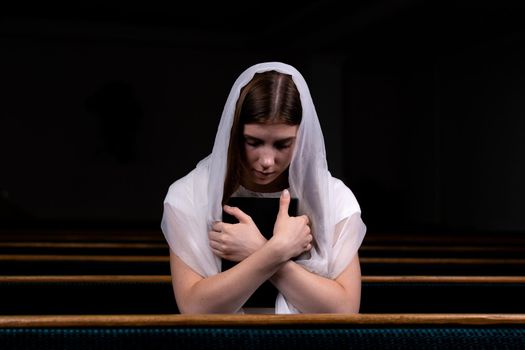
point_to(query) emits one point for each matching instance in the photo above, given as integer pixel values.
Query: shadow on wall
(119, 113)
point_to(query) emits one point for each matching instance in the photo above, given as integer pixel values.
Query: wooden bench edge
(301, 320)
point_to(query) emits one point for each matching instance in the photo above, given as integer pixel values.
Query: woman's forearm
(311, 293)
(226, 292)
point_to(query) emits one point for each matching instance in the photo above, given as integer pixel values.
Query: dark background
(422, 104)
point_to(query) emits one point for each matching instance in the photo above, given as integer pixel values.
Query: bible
(263, 211)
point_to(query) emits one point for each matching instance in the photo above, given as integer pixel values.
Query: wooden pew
(83, 248)
(308, 331)
(42, 247)
(378, 241)
(443, 266)
(129, 294)
(76, 234)
(442, 251)
(151, 242)
(88, 264)
(446, 238)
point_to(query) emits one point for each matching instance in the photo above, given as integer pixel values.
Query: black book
(263, 211)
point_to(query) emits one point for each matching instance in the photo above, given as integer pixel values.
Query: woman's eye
(281, 147)
(252, 143)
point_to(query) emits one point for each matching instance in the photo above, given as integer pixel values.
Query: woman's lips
(262, 174)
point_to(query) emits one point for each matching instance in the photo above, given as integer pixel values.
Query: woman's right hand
(292, 233)
(235, 242)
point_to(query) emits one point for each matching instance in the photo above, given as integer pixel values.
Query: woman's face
(268, 150)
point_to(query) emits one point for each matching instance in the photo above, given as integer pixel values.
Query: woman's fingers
(218, 226)
(217, 245)
(306, 219)
(238, 214)
(284, 204)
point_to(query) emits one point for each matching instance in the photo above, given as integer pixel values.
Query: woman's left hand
(235, 242)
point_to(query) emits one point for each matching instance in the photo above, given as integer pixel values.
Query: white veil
(193, 203)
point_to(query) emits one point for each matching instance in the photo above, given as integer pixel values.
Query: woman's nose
(267, 159)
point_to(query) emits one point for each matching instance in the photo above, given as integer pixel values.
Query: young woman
(269, 144)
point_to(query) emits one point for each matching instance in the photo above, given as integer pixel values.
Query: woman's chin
(264, 182)
(271, 183)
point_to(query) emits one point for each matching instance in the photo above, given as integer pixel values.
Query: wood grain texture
(322, 320)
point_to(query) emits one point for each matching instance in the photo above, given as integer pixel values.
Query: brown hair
(270, 97)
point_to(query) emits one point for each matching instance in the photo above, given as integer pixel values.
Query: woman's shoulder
(343, 197)
(181, 192)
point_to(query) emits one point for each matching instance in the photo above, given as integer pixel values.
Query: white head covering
(193, 203)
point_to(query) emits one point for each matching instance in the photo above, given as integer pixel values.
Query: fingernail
(286, 193)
